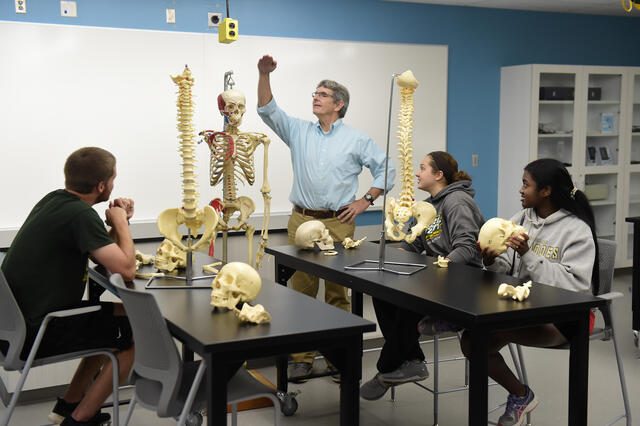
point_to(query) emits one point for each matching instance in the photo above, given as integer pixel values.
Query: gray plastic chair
(607, 255)
(13, 330)
(163, 381)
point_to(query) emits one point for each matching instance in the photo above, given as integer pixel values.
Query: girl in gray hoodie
(453, 235)
(559, 249)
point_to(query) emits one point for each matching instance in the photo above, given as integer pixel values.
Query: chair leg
(234, 414)
(132, 404)
(623, 384)
(192, 394)
(116, 400)
(523, 372)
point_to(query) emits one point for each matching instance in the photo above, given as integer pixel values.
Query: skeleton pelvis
(170, 219)
(244, 205)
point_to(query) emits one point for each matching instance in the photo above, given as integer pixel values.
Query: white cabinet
(582, 116)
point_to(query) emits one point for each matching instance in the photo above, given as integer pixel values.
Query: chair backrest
(607, 255)
(156, 355)
(12, 326)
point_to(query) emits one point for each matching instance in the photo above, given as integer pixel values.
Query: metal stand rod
(383, 238)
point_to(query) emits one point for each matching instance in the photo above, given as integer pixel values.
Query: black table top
(635, 219)
(460, 293)
(294, 317)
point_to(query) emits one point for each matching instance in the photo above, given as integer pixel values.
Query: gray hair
(340, 94)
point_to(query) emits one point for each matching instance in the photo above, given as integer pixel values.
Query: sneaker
(374, 388)
(334, 373)
(299, 372)
(429, 326)
(409, 371)
(100, 419)
(517, 408)
(61, 410)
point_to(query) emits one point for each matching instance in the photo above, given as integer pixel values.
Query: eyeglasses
(321, 94)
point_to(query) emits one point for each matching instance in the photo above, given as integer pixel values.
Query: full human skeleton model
(398, 212)
(232, 154)
(192, 216)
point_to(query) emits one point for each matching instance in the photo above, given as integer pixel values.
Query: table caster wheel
(288, 403)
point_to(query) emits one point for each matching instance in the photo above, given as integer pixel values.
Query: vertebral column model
(399, 212)
(189, 214)
(232, 154)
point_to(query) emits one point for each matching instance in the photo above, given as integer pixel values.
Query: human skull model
(495, 233)
(232, 104)
(313, 232)
(236, 282)
(170, 257)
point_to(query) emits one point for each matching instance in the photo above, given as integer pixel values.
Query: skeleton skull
(236, 282)
(170, 257)
(232, 104)
(495, 233)
(313, 232)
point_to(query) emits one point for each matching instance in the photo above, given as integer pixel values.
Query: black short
(99, 329)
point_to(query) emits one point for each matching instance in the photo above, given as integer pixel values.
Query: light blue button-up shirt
(326, 165)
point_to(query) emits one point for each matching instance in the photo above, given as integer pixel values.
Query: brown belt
(318, 214)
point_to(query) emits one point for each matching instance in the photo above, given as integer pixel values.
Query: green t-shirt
(46, 265)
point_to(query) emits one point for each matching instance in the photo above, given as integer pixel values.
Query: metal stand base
(188, 279)
(380, 266)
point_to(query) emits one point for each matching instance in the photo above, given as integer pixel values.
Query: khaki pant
(334, 294)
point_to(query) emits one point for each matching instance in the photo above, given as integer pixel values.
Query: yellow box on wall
(228, 31)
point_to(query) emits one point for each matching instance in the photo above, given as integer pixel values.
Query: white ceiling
(593, 7)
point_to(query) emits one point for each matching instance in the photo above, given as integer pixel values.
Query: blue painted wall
(480, 42)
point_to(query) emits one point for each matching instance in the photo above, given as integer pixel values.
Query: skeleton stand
(188, 279)
(411, 268)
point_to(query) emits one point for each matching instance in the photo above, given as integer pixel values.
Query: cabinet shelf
(556, 135)
(556, 102)
(602, 135)
(604, 102)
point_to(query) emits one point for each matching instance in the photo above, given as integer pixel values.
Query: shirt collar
(336, 124)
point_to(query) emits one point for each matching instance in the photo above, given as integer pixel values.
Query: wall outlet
(68, 9)
(171, 16)
(21, 6)
(214, 19)
(474, 160)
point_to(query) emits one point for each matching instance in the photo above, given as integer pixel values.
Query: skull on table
(313, 232)
(169, 257)
(236, 282)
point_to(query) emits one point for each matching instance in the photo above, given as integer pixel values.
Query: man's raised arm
(266, 65)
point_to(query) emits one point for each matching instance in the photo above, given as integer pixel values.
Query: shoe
(409, 371)
(299, 372)
(374, 388)
(429, 326)
(334, 373)
(517, 408)
(61, 410)
(336, 378)
(100, 419)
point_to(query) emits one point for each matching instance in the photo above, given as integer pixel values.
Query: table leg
(283, 273)
(350, 375)
(579, 372)
(356, 303)
(478, 388)
(216, 374)
(281, 368)
(635, 280)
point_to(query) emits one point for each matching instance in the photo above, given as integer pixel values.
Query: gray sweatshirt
(454, 232)
(561, 251)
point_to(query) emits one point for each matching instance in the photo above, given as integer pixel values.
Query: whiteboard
(65, 87)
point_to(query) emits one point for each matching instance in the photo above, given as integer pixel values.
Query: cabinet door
(634, 158)
(555, 116)
(633, 210)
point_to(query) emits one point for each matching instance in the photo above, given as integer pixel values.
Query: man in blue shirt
(327, 158)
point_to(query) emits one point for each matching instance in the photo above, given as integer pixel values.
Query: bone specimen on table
(211, 268)
(143, 259)
(254, 314)
(236, 282)
(518, 293)
(311, 233)
(398, 212)
(348, 243)
(442, 262)
(192, 216)
(495, 233)
(231, 158)
(330, 253)
(170, 257)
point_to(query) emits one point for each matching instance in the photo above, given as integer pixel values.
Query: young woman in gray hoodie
(453, 235)
(559, 249)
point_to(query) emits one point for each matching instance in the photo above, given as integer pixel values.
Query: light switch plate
(68, 9)
(171, 16)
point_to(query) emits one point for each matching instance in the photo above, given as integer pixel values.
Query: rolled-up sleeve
(374, 159)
